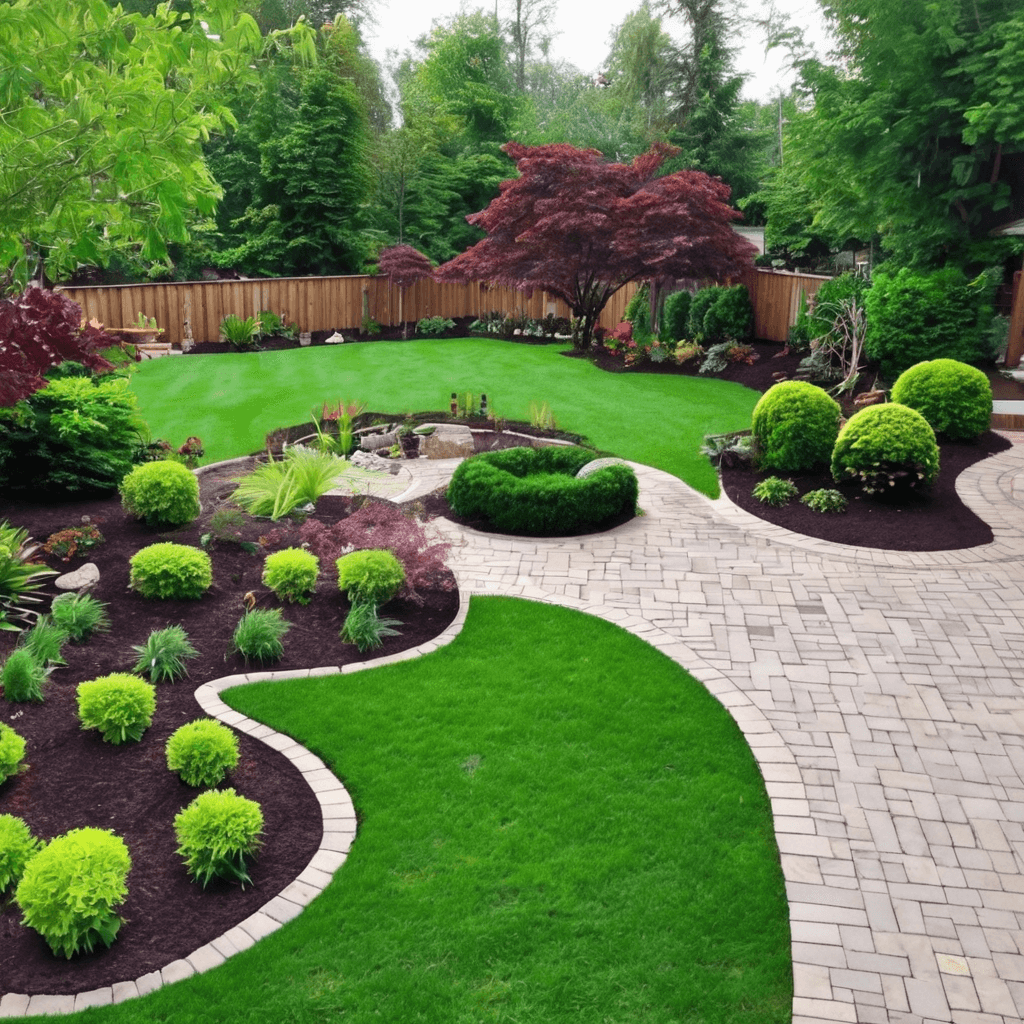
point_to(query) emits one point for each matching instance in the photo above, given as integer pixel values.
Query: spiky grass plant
(258, 635)
(162, 657)
(79, 615)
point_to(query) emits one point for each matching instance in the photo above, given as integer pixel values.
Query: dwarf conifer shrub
(887, 448)
(291, 574)
(120, 705)
(17, 847)
(162, 657)
(22, 677)
(173, 572)
(79, 615)
(12, 752)
(674, 315)
(956, 399)
(370, 577)
(730, 316)
(216, 835)
(699, 305)
(202, 752)
(259, 633)
(795, 425)
(161, 493)
(70, 888)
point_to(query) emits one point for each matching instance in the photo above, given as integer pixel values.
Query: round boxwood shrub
(17, 847)
(535, 491)
(370, 577)
(291, 574)
(216, 833)
(70, 888)
(120, 705)
(162, 493)
(887, 448)
(171, 572)
(12, 752)
(202, 752)
(795, 425)
(954, 397)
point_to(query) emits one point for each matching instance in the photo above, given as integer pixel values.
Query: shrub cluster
(12, 752)
(291, 574)
(721, 314)
(202, 752)
(120, 706)
(370, 577)
(795, 425)
(216, 834)
(535, 491)
(17, 847)
(161, 493)
(956, 399)
(171, 572)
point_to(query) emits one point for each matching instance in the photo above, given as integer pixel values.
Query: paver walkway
(881, 693)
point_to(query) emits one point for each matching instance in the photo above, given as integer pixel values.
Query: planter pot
(137, 335)
(305, 338)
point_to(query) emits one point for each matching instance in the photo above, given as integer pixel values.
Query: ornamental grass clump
(775, 491)
(79, 615)
(366, 629)
(370, 577)
(202, 752)
(70, 888)
(45, 642)
(888, 449)
(955, 398)
(22, 677)
(174, 572)
(120, 706)
(258, 635)
(795, 426)
(162, 657)
(161, 493)
(279, 486)
(291, 574)
(17, 847)
(216, 835)
(12, 752)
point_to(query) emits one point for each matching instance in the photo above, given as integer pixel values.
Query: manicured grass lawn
(233, 401)
(576, 831)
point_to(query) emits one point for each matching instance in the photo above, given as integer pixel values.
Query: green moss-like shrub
(535, 491)
(174, 572)
(12, 752)
(956, 399)
(795, 425)
(162, 493)
(216, 833)
(17, 847)
(202, 752)
(887, 448)
(370, 577)
(22, 677)
(291, 574)
(120, 705)
(70, 888)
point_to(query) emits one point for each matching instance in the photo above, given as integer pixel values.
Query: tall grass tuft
(281, 485)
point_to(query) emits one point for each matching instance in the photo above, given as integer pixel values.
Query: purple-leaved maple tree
(403, 266)
(580, 227)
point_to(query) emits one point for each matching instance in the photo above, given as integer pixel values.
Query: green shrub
(162, 657)
(202, 752)
(956, 399)
(216, 833)
(365, 628)
(70, 888)
(17, 847)
(12, 752)
(239, 333)
(22, 677)
(291, 574)
(775, 491)
(674, 316)
(887, 448)
(171, 572)
(731, 316)
(79, 615)
(535, 491)
(433, 325)
(795, 425)
(825, 500)
(913, 317)
(20, 578)
(258, 635)
(277, 487)
(120, 705)
(638, 313)
(370, 577)
(162, 493)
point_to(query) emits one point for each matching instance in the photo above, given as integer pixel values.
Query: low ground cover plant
(202, 752)
(167, 571)
(162, 493)
(955, 399)
(259, 633)
(17, 847)
(795, 426)
(119, 705)
(774, 490)
(825, 500)
(65, 544)
(433, 325)
(217, 834)
(79, 615)
(291, 574)
(12, 752)
(162, 657)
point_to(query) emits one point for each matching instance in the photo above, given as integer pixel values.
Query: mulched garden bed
(75, 779)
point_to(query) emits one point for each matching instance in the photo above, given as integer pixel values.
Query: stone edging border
(339, 832)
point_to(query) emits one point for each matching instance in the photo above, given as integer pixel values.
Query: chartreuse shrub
(22, 677)
(79, 615)
(956, 399)
(161, 493)
(120, 705)
(70, 888)
(202, 752)
(291, 574)
(795, 425)
(914, 316)
(370, 577)
(12, 752)
(258, 635)
(17, 847)
(168, 571)
(162, 657)
(887, 448)
(216, 834)
(536, 492)
(773, 490)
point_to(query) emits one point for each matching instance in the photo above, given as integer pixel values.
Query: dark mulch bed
(76, 780)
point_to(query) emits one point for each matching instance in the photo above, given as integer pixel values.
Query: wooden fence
(337, 303)
(1015, 340)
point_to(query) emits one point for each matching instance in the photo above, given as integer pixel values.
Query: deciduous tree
(403, 265)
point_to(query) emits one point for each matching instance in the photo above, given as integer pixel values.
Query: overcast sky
(583, 29)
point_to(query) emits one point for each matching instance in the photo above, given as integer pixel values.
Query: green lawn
(233, 401)
(576, 831)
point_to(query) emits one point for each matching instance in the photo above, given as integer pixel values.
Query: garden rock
(335, 339)
(448, 441)
(81, 579)
(374, 463)
(596, 464)
(371, 442)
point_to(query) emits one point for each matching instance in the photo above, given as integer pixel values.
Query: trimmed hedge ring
(535, 492)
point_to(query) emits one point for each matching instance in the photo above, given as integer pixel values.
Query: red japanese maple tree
(404, 266)
(580, 227)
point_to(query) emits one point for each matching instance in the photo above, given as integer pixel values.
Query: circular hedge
(535, 491)
(162, 493)
(954, 397)
(795, 425)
